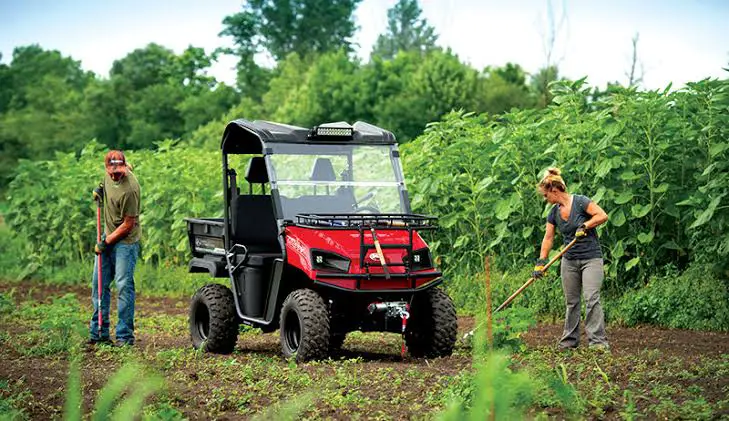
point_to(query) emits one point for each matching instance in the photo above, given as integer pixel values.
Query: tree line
(49, 103)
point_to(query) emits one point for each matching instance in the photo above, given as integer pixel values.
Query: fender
(214, 265)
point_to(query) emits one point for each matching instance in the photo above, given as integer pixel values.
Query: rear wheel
(432, 328)
(213, 321)
(304, 326)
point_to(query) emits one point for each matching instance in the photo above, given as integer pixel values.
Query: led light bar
(334, 131)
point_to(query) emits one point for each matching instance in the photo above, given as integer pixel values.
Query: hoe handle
(380, 254)
(527, 283)
(532, 279)
(98, 273)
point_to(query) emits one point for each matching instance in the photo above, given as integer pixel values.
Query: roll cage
(243, 137)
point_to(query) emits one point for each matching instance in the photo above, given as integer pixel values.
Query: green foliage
(48, 104)
(284, 27)
(74, 399)
(540, 84)
(385, 100)
(504, 88)
(7, 304)
(158, 95)
(61, 326)
(12, 249)
(637, 154)
(122, 398)
(12, 399)
(126, 382)
(41, 95)
(31, 64)
(496, 391)
(406, 31)
(206, 106)
(693, 299)
(509, 327)
(60, 225)
(437, 83)
(289, 410)
(651, 159)
(296, 93)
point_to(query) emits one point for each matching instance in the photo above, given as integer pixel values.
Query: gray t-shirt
(586, 248)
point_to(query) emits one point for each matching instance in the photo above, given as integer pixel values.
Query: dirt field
(665, 371)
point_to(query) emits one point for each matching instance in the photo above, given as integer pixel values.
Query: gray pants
(583, 276)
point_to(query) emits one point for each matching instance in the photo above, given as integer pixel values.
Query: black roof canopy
(250, 137)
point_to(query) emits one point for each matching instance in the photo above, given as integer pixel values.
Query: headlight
(325, 260)
(421, 260)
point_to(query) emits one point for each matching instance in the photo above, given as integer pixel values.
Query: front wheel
(213, 320)
(432, 329)
(304, 326)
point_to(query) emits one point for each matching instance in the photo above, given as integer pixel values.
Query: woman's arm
(597, 216)
(547, 241)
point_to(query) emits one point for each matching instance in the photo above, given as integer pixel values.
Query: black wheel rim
(292, 333)
(202, 321)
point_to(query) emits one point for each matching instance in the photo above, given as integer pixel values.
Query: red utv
(320, 242)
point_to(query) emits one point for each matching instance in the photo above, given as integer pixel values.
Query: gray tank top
(586, 248)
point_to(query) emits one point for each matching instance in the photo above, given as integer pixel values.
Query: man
(119, 249)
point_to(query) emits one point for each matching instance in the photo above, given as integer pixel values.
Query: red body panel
(300, 241)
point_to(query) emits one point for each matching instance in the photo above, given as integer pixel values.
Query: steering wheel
(367, 209)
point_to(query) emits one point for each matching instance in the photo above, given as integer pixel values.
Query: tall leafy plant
(655, 161)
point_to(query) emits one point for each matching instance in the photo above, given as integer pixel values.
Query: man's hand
(581, 231)
(100, 246)
(539, 268)
(98, 193)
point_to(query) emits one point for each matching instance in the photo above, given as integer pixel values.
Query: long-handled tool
(98, 262)
(380, 254)
(529, 282)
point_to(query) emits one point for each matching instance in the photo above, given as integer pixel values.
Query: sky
(679, 40)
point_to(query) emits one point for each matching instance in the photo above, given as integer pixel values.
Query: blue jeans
(117, 262)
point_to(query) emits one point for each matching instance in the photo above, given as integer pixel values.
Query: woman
(575, 216)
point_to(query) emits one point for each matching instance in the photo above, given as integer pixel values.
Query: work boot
(123, 344)
(93, 342)
(561, 348)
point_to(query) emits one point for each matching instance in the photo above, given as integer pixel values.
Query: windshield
(337, 179)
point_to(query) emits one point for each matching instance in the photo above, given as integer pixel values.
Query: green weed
(14, 254)
(124, 394)
(694, 299)
(13, 397)
(7, 304)
(629, 412)
(55, 328)
(288, 410)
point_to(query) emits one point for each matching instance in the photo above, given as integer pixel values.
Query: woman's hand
(581, 231)
(539, 268)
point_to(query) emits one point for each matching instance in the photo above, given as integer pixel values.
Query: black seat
(254, 224)
(323, 170)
